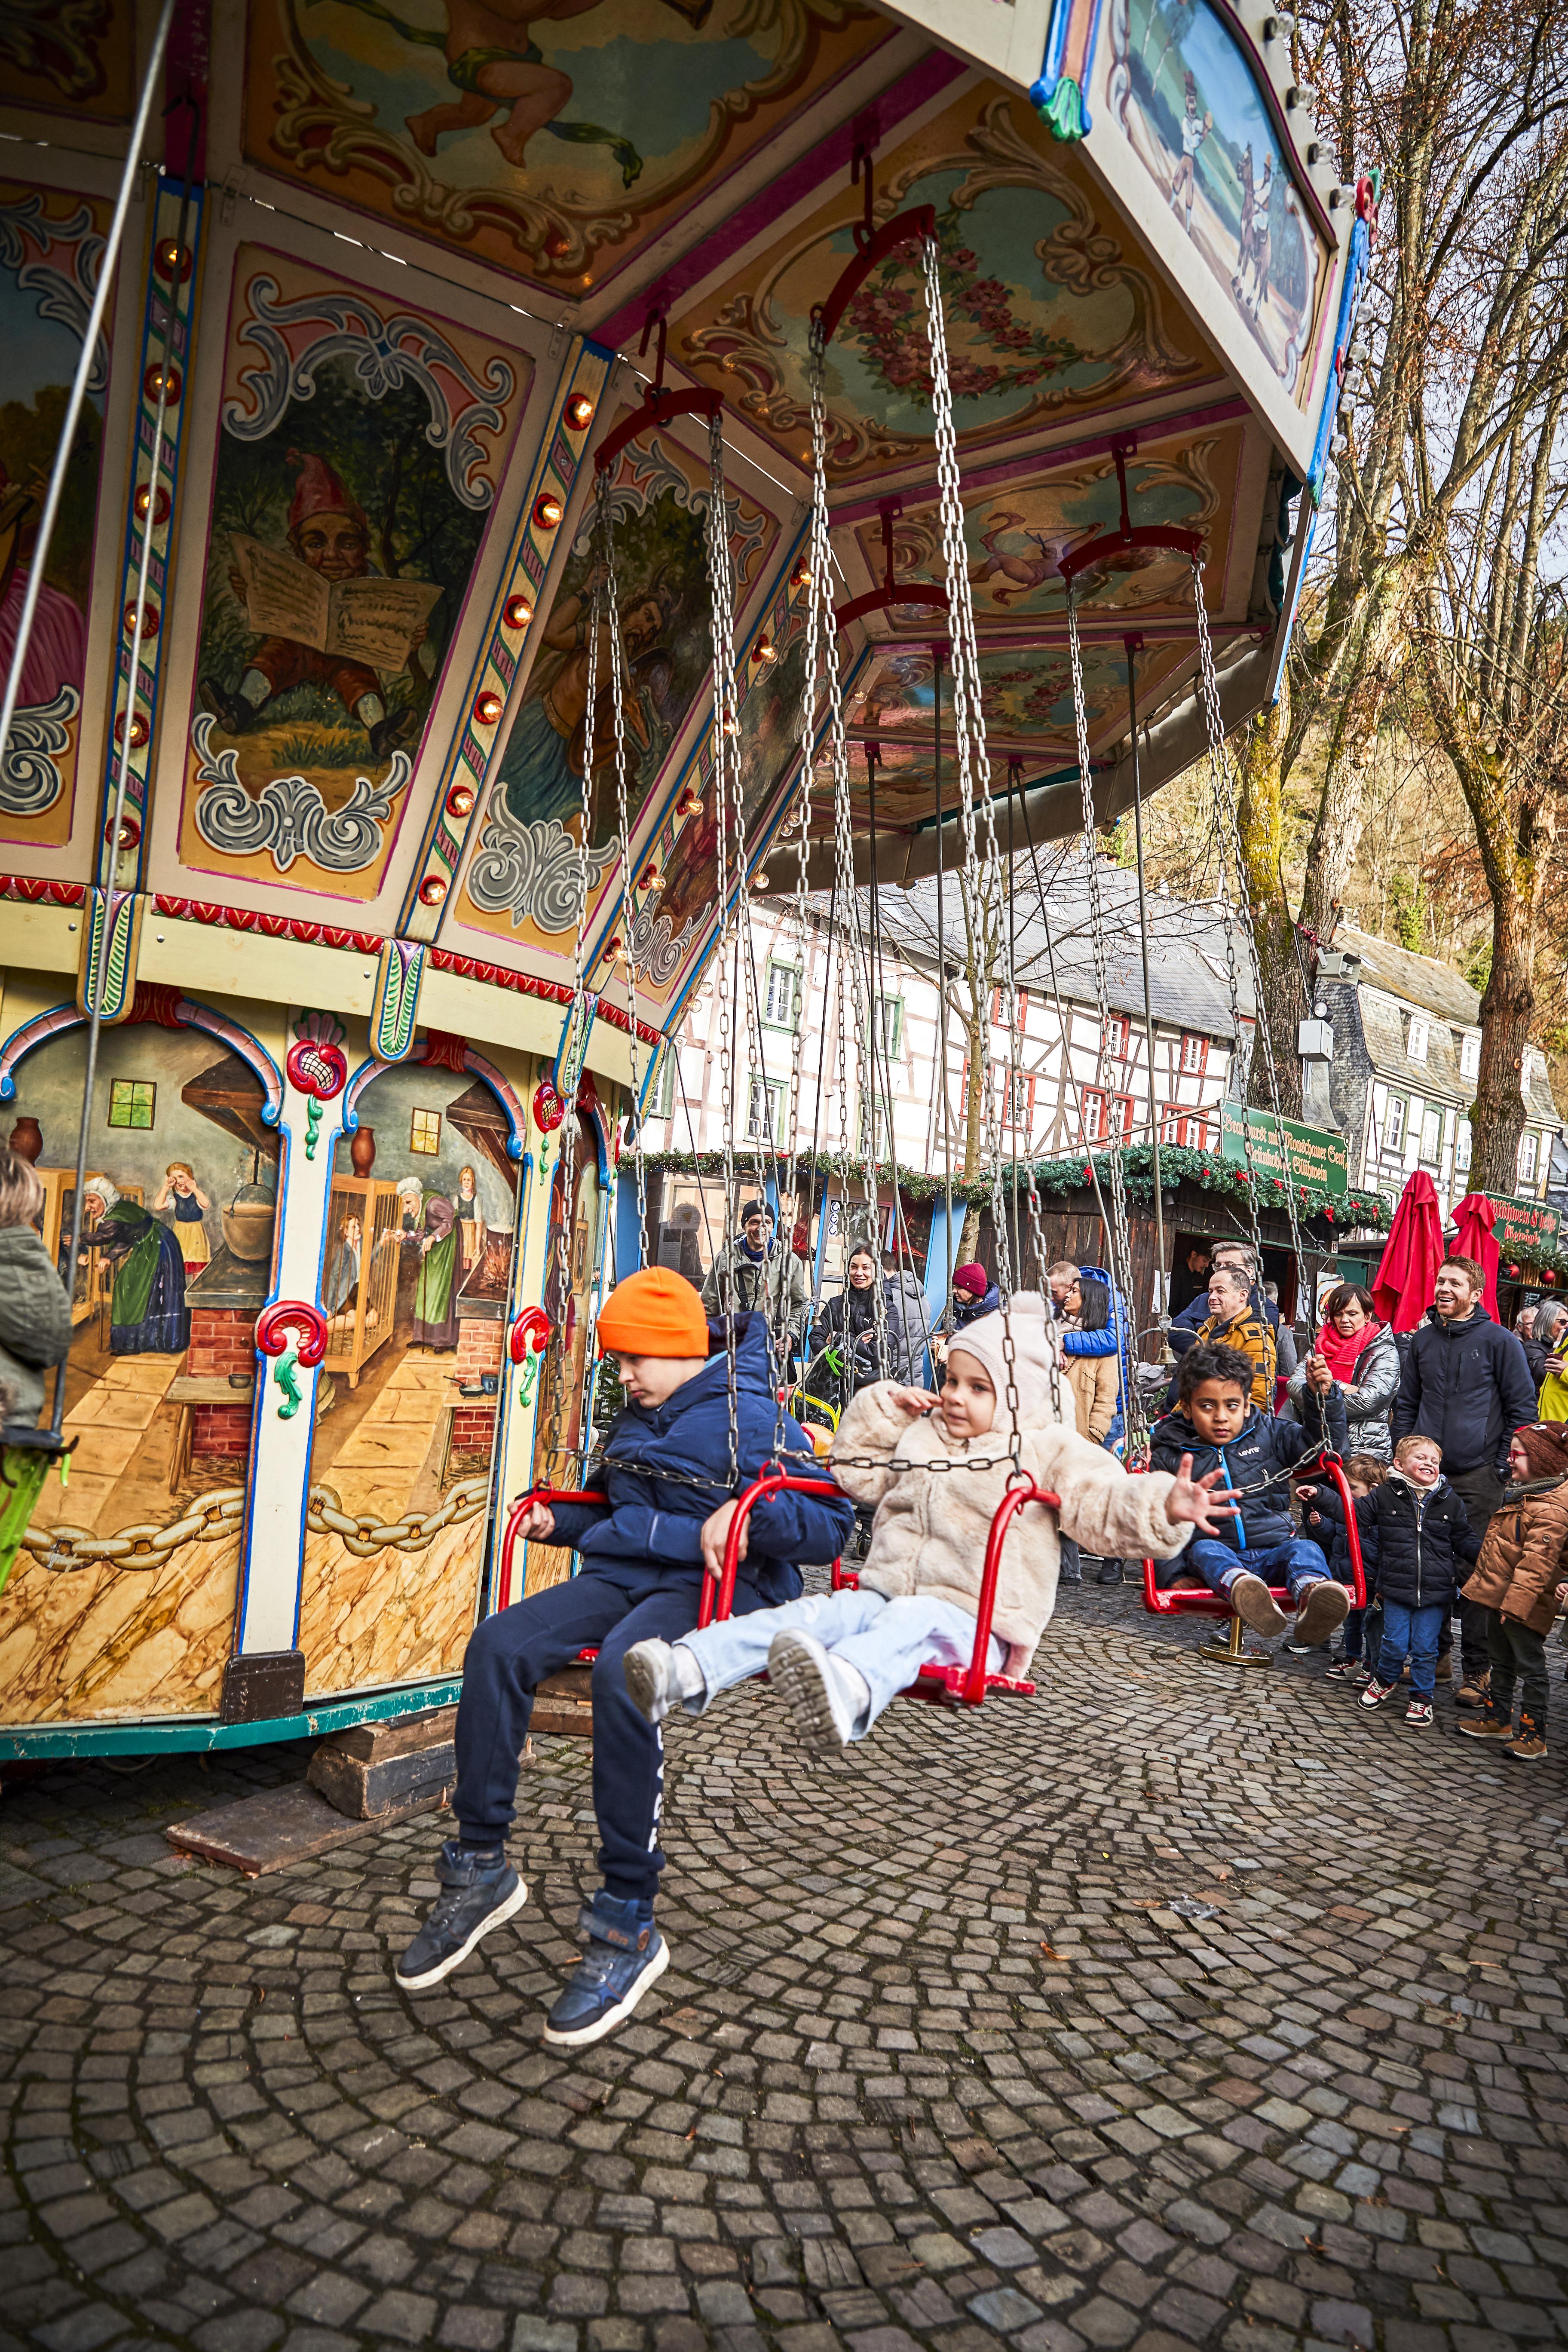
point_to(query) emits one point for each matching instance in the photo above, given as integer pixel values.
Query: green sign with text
(1523, 1224)
(1284, 1147)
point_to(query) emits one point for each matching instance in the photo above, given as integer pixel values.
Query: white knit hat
(1035, 1349)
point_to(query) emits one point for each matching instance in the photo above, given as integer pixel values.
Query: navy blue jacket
(656, 1520)
(1467, 1387)
(990, 1305)
(1261, 1446)
(1327, 1530)
(1413, 1537)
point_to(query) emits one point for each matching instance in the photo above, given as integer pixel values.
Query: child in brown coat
(1516, 1578)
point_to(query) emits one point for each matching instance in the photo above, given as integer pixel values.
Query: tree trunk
(1336, 839)
(1507, 1007)
(1260, 822)
(975, 1034)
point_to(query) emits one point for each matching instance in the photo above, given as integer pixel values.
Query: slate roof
(1187, 984)
(1384, 971)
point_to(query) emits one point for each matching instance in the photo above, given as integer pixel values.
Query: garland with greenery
(1357, 1212)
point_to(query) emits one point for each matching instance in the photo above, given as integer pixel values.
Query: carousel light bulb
(129, 832)
(165, 380)
(171, 260)
(650, 876)
(548, 511)
(517, 613)
(801, 576)
(460, 801)
(432, 890)
(138, 731)
(764, 650)
(487, 707)
(159, 504)
(579, 412)
(150, 619)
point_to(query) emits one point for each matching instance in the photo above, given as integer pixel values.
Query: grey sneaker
(1324, 1607)
(479, 1891)
(651, 1679)
(802, 1672)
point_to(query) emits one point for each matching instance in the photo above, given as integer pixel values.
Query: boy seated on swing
(686, 1442)
(936, 1468)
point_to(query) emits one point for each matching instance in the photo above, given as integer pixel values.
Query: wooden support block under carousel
(375, 1771)
(258, 1834)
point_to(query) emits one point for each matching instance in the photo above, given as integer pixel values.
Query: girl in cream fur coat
(936, 1468)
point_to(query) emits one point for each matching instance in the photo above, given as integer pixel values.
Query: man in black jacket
(1466, 1384)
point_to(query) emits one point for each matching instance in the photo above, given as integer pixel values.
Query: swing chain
(854, 1016)
(629, 917)
(980, 887)
(1134, 1419)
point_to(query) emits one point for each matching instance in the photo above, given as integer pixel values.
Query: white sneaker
(660, 1676)
(817, 1690)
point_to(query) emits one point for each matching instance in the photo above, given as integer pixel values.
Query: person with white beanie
(936, 1468)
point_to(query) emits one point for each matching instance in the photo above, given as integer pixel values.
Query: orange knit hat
(654, 1312)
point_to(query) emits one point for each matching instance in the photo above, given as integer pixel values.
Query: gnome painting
(349, 503)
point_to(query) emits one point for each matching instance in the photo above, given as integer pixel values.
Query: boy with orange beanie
(669, 1471)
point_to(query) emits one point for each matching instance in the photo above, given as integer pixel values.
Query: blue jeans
(1411, 1633)
(1295, 1565)
(888, 1641)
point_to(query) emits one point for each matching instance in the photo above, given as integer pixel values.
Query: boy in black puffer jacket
(1216, 1423)
(1414, 1531)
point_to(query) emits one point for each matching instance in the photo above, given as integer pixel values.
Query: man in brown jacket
(1515, 1581)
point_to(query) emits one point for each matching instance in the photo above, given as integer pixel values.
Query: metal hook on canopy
(661, 402)
(893, 592)
(872, 244)
(1167, 538)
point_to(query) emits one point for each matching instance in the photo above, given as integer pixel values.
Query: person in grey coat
(35, 1313)
(907, 1310)
(1361, 1354)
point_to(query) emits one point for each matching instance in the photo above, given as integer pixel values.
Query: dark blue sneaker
(624, 1958)
(478, 1890)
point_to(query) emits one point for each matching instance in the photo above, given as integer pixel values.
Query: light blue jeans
(888, 1641)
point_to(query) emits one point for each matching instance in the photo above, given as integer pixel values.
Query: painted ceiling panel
(557, 142)
(1050, 318)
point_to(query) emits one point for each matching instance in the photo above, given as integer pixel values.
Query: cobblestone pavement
(1175, 2007)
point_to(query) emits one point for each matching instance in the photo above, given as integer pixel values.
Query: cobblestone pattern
(937, 2062)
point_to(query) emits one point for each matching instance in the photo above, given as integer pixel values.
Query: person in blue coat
(668, 1497)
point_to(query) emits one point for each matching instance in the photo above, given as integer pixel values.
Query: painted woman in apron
(181, 1192)
(436, 1292)
(471, 1226)
(148, 1315)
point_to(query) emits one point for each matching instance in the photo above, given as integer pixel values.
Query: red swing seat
(1183, 1601)
(942, 1685)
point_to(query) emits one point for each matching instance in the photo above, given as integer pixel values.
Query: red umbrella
(1475, 1217)
(1402, 1286)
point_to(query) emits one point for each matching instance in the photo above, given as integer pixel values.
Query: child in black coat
(1413, 1530)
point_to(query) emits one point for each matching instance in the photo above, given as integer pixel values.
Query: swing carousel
(462, 507)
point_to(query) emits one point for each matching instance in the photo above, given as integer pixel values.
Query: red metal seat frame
(1207, 1603)
(943, 1685)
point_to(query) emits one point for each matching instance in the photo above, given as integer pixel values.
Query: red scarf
(1341, 1353)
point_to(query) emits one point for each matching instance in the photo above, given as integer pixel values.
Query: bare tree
(1462, 105)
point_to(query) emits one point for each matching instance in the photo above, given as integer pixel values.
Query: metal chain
(629, 918)
(854, 1014)
(984, 885)
(1121, 1247)
(1223, 786)
(722, 626)
(220, 1512)
(790, 1187)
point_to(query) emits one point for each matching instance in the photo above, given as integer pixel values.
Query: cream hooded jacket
(937, 1496)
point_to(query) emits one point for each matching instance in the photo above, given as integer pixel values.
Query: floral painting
(1184, 92)
(69, 57)
(555, 140)
(1046, 312)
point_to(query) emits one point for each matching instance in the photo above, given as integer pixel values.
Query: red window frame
(1193, 1045)
(1117, 1036)
(1093, 1114)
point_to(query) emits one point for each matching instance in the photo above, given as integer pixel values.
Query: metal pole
(83, 376)
(62, 459)
(1134, 645)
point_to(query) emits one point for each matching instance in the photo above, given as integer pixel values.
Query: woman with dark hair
(1364, 1362)
(845, 1350)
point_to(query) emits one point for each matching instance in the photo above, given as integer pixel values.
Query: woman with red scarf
(1361, 1355)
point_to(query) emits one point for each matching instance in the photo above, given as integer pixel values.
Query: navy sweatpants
(512, 1651)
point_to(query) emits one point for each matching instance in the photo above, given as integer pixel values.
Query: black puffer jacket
(1467, 1386)
(1414, 1537)
(1262, 1448)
